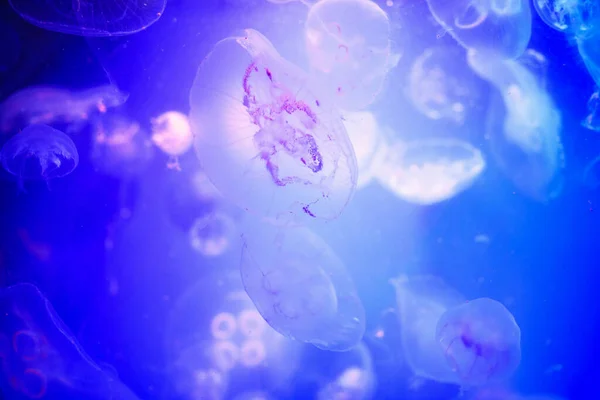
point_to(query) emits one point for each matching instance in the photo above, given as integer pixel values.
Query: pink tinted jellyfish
(481, 341)
(39, 152)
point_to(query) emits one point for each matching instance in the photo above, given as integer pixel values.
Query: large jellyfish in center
(265, 137)
(481, 341)
(502, 27)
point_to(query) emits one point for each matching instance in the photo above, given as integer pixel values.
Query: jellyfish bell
(480, 340)
(172, 134)
(211, 235)
(578, 18)
(265, 138)
(429, 171)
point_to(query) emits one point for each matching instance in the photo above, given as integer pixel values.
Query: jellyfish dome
(211, 234)
(480, 340)
(422, 300)
(171, 133)
(348, 47)
(429, 171)
(39, 152)
(301, 287)
(501, 27)
(590, 53)
(90, 17)
(266, 139)
(578, 18)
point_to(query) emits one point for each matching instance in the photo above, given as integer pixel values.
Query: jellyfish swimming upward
(264, 136)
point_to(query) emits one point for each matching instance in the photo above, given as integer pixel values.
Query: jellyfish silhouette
(39, 152)
(481, 341)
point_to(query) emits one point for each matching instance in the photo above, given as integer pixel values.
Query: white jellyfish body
(481, 341)
(39, 152)
(578, 18)
(301, 288)
(171, 132)
(502, 27)
(348, 47)
(524, 129)
(265, 137)
(429, 171)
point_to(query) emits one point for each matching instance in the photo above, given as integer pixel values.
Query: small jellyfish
(429, 171)
(348, 47)
(480, 340)
(265, 138)
(592, 121)
(301, 288)
(90, 17)
(524, 126)
(440, 87)
(422, 300)
(590, 54)
(53, 105)
(576, 18)
(172, 134)
(211, 234)
(44, 360)
(39, 152)
(502, 27)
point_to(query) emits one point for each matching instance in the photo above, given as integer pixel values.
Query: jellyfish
(367, 139)
(172, 134)
(90, 17)
(592, 121)
(480, 340)
(348, 47)
(440, 87)
(39, 152)
(422, 300)
(576, 18)
(211, 235)
(502, 27)
(300, 287)
(524, 126)
(590, 53)
(53, 105)
(41, 358)
(265, 138)
(429, 171)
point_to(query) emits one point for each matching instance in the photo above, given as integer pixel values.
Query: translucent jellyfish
(171, 132)
(40, 358)
(211, 235)
(481, 341)
(265, 138)
(524, 126)
(120, 146)
(574, 17)
(440, 86)
(39, 152)
(590, 54)
(429, 171)
(592, 121)
(422, 300)
(90, 17)
(52, 105)
(501, 27)
(301, 288)
(368, 140)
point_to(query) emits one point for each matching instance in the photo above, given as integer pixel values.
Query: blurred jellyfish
(301, 287)
(440, 87)
(501, 27)
(592, 121)
(42, 359)
(481, 341)
(348, 47)
(589, 52)
(52, 105)
(172, 134)
(367, 140)
(524, 127)
(121, 148)
(591, 174)
(429, 171)
(227, 337)
(264, 137)
(211, 235)
(422, 300)
(90, 17)
(39, 152)
(574, 17)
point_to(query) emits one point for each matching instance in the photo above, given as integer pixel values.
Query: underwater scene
(299, 199)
